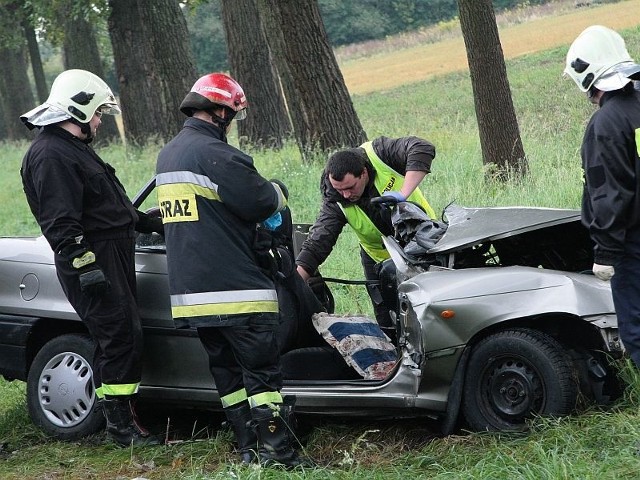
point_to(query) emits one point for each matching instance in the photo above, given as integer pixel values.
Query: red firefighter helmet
(213, 90)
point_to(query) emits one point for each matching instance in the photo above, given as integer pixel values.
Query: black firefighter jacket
(72, 192)
(611, 164)
(212, 197)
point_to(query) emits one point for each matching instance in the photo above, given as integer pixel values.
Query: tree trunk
(80, 50)
(15, 92)
(16, 97)
(154, 65)
(321, 109)
(500, 140)
(270, 21)
(252, 66)
(36, 61)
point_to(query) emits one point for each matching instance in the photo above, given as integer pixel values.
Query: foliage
(47, 15)
(499, 5)
(361, 20)
(206, 32)
(10, 14)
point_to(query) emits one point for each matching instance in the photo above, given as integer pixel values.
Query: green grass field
(552, 114)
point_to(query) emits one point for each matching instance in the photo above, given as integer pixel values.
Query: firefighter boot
(123, 425)
(275, 425)
(239, 417)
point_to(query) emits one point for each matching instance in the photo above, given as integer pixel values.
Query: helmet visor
(241, 114)
(109, 109)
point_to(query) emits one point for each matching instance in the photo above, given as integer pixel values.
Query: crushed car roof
(470, 226)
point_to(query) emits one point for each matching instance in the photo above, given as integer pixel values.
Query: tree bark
(270, 22)
(16, 97)
(154, 65)
(36, 61)
(15, 92)
(252, 66)
(321, 109)
(502, 148)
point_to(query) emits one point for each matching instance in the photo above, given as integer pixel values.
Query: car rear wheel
(515, 375)
(60, 393)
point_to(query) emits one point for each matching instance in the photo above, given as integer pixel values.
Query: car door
(173, 358)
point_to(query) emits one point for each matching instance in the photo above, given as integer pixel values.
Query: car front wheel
(60, 393)
(515, 375)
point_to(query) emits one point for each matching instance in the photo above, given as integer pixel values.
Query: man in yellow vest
(352, 177)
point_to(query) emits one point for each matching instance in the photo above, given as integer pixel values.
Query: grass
(599, 444)
(552, 114)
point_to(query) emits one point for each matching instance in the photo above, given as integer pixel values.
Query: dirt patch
(414, 64)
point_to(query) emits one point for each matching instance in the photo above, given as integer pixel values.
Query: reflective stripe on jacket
(224, 303)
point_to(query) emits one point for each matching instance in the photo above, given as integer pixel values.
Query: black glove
(322, 292)
(283, 187)
(93, 281)
(263, 244)
(149, 223)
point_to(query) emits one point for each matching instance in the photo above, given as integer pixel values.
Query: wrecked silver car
(498, 320)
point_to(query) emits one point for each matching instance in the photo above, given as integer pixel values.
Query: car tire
(60, 394)
(514, 376)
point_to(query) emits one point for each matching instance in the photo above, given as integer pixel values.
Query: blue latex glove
(273, 222)
(397, 195)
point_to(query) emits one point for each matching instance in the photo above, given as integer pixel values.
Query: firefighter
(87, 218)
(600, 65)
(215, 207)
(352, 177)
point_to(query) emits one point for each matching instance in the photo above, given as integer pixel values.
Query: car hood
(470, 226)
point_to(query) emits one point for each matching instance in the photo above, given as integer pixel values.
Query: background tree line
(348, 22)
(281, 51)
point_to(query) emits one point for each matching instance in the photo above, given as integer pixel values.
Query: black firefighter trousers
(243, 356)
(625, 289)
(111, 318)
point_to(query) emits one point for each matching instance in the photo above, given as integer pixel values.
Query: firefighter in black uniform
(600, 65)
(87, 218)
(215, 206)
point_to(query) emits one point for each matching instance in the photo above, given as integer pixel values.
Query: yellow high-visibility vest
(386, 180)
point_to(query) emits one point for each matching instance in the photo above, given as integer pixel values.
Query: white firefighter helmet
(74, 94)
(598, 58)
